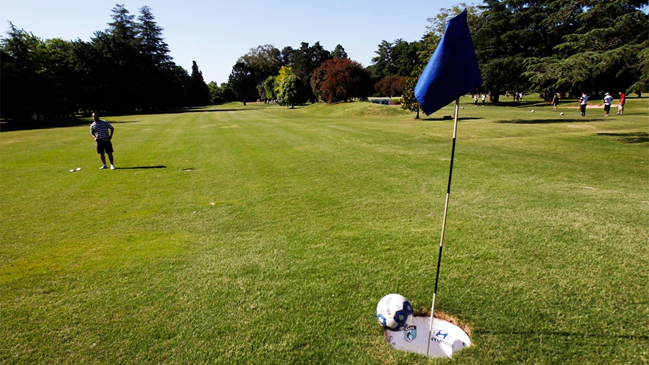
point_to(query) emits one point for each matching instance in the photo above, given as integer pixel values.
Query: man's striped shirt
(100, 130)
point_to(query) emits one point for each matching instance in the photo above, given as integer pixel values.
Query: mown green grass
(289, 225)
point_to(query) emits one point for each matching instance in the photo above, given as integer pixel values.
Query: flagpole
(441, 243)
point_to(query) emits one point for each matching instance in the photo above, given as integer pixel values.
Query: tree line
(124, 69)
(295, 76)
(548, 46)
(310, 73)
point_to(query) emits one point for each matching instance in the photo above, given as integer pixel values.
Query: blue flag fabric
(452, 70)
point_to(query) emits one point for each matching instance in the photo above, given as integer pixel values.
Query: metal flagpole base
(445, 339)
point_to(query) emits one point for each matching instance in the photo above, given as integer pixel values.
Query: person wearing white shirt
(583, 101)
(607, 103)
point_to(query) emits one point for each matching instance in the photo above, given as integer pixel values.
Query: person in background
(608, 99)
(620, 108)
(583, 102)
(555, 102)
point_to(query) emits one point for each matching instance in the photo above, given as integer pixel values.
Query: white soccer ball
(561, 113)
(532, 110)
(394, 312)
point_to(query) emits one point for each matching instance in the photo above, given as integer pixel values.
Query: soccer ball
(532, 110)
(394, 312)
(561, 113)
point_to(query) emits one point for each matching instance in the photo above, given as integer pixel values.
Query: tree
(21, 82)
(58, 80)
(123, 27)
(289, 91)
(149, 36)
(217, 95)
(269, 87)
(243, 82)
(382, 63)
(283, 73)
(199, 92)
(339, 52)
(340, 80)
(124, 69)
(305, 60)
(287, 56)
(120, 85)
(395, 59)
(408, 100)
(390, 86)
(263, 61)
(179, 88)
(509, 32)
(155, 61)
(604, 46)
(405, 56)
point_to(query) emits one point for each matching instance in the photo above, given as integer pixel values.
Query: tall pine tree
(199, 92)
(155, 73)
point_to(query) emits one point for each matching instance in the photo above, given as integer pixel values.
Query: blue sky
(216, 33)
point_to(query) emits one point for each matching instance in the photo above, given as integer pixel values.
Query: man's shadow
(141, 167)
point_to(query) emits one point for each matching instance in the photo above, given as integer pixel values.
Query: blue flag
(452, 70)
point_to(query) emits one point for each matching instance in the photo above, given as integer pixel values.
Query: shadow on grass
(141, 167)
(449, 117)
(547, 121)
(201, 110)
(10, 126)
(566, 334)
(49, 124)
(42, 124)
(633, 137)
(522, 104)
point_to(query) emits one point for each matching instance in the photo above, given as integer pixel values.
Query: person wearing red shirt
(620, 109)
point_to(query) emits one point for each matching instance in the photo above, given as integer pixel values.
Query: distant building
(381, 101)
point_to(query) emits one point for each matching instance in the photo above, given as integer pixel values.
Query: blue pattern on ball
(408, 307)
(400, 316)
(381, 319)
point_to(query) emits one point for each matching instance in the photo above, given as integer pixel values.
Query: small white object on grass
(78, 168)
(532, 110)
(561, 113)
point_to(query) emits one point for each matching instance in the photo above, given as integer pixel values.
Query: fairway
(267, 235)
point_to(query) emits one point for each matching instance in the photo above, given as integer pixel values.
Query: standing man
(608, 99)
(99, 131)
(620, 109)
(583, 101)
